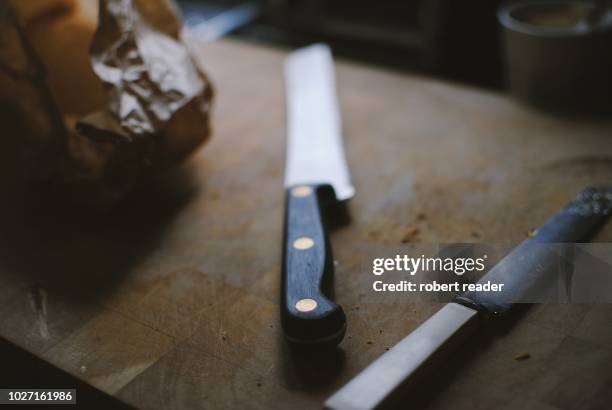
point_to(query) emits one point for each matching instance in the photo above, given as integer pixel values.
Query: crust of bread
(29, 10)
(62, 42)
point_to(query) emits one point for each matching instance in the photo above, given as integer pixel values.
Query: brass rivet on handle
(303, 243)
(301, 191)
(306, 305)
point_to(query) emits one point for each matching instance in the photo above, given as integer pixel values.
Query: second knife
(533, 265)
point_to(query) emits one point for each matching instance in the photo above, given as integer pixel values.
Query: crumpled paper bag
(153, 110)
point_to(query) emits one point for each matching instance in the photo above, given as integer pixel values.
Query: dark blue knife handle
(308, 316)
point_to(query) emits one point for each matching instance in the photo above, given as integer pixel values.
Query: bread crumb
(522, 356)
(409, 234)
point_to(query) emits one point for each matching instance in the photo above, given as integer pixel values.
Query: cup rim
(506, 18)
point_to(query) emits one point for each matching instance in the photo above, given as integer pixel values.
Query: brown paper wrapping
(131, 103)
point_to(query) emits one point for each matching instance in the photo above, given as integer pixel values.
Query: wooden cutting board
(171, 301)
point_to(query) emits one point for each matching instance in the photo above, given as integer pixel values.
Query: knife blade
(316, 174)
(384, 382)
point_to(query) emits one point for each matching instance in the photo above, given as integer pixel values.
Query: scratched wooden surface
(171, 300)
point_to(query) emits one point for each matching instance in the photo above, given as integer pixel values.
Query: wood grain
(171, 301)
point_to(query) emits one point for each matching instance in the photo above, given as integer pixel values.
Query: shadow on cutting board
(310, 370)
(81, 254)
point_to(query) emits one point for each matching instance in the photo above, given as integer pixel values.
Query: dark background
(457, 40)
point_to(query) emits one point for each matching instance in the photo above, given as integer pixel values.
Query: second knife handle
(307, 315)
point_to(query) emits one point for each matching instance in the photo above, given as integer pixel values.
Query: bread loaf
(97, 96)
